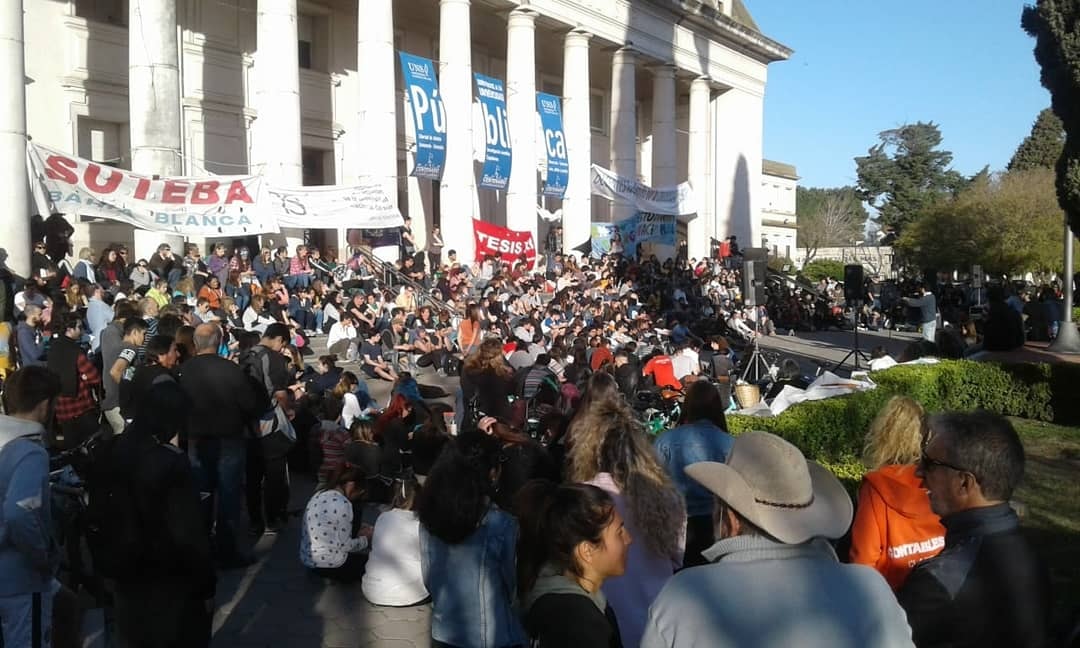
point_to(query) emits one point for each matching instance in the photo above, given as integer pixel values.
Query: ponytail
(554, 520)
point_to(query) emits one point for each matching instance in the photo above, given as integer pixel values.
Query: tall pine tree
(1042, 147)
(1055, 25)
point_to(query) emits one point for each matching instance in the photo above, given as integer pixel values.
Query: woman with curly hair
(487, 381)
(894, 528)
(612, 451)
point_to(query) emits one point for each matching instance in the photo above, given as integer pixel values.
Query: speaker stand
(855, 354)
(756, 365)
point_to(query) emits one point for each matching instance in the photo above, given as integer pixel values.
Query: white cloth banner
(210, 206)
(363, 206)
(670, 201)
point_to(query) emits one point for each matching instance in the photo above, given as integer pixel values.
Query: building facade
(310, 92)
(779, 223)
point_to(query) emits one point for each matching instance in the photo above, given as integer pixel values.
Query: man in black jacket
(222, 413)
(987, 587)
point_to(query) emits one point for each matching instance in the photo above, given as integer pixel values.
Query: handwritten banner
(429, 117)
(362, 206)
(670, 201)
(508, 245)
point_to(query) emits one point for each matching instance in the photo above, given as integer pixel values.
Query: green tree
(828, 218)
(1055, 25)
(815, 271)
(1042, 147)
(1008, 224)
(905, 173)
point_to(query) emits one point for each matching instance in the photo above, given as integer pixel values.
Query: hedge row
(832, 430)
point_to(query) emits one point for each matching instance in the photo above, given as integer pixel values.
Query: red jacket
(894, 528)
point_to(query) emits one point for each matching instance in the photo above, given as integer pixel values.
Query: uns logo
(422, 106)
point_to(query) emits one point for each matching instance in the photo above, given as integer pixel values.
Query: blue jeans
(219, 466)
(295, 282)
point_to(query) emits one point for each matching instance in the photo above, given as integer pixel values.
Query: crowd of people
(535, 510)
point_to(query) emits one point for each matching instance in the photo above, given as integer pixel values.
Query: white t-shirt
(392, 575)
(340, 332)
(326, 538)
(685, 363)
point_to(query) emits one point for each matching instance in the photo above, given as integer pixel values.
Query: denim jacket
(473, 583)
(687, 444)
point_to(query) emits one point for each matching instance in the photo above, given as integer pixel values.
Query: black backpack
(256, 365)
(116, 533)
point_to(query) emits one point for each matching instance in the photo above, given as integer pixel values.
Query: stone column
(154, 103)
(623, 125)
(377, 140)
(703, 226)
(276, 140)
(377, 104)
(664, 163)
(15, 219)
(457, 197)
(577, 202)
(521, 192)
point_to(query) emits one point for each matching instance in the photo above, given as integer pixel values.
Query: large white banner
(363, 206)
(213, 206)
(670, 201)
(210, 206)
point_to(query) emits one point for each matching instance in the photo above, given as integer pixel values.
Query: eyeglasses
(926, 462)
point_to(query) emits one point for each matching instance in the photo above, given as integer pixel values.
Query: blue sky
(863, 66)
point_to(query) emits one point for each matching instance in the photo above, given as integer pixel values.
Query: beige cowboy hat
(770, 483)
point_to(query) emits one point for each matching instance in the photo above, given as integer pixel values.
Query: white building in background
(310, 92)
(779, 223)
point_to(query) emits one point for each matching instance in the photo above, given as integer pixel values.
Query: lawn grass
(1050, 495)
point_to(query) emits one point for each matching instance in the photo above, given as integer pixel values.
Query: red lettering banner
(508, 245)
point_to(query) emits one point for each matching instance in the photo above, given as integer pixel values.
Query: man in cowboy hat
(775, 580)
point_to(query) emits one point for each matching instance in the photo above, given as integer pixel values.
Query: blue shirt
(687, 444)
(98, 316)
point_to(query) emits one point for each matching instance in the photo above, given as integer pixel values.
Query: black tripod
(855, 353)
(756, 366)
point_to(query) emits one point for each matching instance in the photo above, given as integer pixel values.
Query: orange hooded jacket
(894, 528)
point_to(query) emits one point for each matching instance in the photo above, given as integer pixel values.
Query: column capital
(662, 70)
(702, 81)
(578, 37)
(522, 16)
(626, 54)
(454, 2)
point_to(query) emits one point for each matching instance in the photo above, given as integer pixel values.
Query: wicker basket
(747, 395)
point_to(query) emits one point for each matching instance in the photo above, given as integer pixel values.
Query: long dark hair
(457, 493)
(703, 403)
(554, 520)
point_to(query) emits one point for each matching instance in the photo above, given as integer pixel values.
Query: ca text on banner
(211, 206)
(429, 117)
(508, 245)
(497, 154)
(558, 165)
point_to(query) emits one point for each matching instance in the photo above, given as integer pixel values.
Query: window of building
(597, 116)
(313, 46)
(103, 142)
(317, 166)
(113, 12)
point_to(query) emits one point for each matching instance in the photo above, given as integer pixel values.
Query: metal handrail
(423, 295)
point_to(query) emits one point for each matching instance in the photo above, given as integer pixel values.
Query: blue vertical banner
(497, 156)
(429, 116)
(558, 165)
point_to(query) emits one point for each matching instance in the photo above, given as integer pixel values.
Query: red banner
(508, 245)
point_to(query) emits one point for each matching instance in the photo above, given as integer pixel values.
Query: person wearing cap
(987, 587)
(774, 579)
